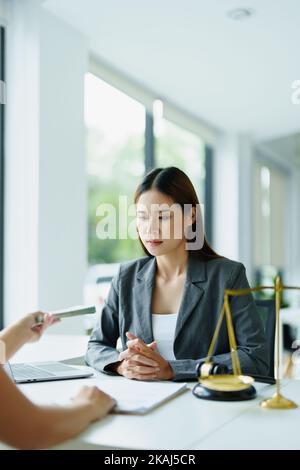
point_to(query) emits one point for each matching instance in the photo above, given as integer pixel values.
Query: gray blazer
(128, 308)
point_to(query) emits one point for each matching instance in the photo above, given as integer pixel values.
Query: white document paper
(139, 397)
(132, 396)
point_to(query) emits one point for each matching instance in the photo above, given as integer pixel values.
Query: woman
(165, 306)
(28, 426)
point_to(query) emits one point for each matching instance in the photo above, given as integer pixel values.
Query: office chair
(267, 312)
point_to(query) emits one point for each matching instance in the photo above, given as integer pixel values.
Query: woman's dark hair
(174, 183)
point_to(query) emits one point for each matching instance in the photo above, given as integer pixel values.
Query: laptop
(45, 371)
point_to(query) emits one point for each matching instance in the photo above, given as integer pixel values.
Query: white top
(163, 326)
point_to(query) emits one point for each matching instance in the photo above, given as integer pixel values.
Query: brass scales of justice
(236, 386)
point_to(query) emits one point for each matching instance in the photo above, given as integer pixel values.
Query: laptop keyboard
(24, 371)
(44, 371)
(56, 367)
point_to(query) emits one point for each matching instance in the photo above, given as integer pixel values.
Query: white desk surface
(261, 429)
(184, 422)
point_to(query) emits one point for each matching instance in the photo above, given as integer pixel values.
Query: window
(123, 141)
(2, 99)
(115, 162)
(175, 146)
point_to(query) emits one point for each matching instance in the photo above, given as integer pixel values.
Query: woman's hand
(33, 325)
(141, 362)
(99, 402)
(30, 328)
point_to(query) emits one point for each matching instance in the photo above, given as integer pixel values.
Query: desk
(261, 429)
(184, 422)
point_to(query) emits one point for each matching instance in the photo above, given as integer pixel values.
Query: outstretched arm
(26, 426)
(26, 330)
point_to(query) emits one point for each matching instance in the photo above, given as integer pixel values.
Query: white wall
(245, 202)
(45, 251)
(225, 201)
(62, 175)
(22, 161)
(233, 195)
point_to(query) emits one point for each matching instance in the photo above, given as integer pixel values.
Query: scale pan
(227, 383)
